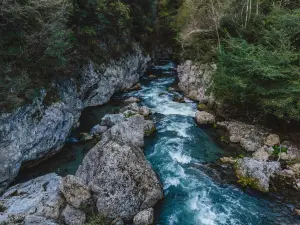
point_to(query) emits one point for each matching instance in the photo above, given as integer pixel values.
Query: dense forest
(46, 40)
(255, 44)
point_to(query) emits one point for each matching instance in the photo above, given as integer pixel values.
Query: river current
(179, 153)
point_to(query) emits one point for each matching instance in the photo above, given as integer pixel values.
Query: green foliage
(248, 182)
(279, 149)
(42, 41)
(262, 74)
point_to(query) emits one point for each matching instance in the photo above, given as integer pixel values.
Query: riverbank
(119, 186)
(269, 162)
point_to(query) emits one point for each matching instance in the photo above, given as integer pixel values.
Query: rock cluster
(37, 130)
(114, 179)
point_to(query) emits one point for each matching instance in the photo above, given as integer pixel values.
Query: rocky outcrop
(256, 173)
(250, 137)
(145, 217)
(39, 197)
(39, 130)
(195, 81)
(205, 118)
(121, 179)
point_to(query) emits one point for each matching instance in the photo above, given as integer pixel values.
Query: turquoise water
(178, 153)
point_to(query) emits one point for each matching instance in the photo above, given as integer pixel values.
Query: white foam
(180, 157)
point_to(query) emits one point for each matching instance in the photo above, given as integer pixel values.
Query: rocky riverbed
(270, 164)
(114, 180)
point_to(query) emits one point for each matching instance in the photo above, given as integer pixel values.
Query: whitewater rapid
(178, 152)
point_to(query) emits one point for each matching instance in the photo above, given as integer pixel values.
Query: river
(179, 153)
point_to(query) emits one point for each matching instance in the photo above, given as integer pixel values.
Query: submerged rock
(39, 197)
(204, 118)
(256, 173)
(121, 179)
(145, 217)
(75, 191)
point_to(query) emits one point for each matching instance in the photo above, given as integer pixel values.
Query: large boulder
(116, 171)
(195, 80)
(204, 118)
(39, 197)
(256, 173)
(75, 191)
(73, 216)
(145, 217)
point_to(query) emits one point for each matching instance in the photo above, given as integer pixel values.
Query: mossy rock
(201, 107)
(248, 182)
(149, 132)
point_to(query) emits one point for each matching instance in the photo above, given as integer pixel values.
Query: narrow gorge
(182, 112)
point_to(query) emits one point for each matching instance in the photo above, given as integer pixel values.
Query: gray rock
(272, 140)
(73, 216)
(132, 107)
(98, 129)
(37, 220)
(145, 217)
(261, 155)
(37, 130)
(257, 173)
(250, 137)
(132, 100)
(149, 128)
(121, 179)
(75, 191)
(110, 120)
(144, 111)
(39, 197)
(204, 118)
(195, 80)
